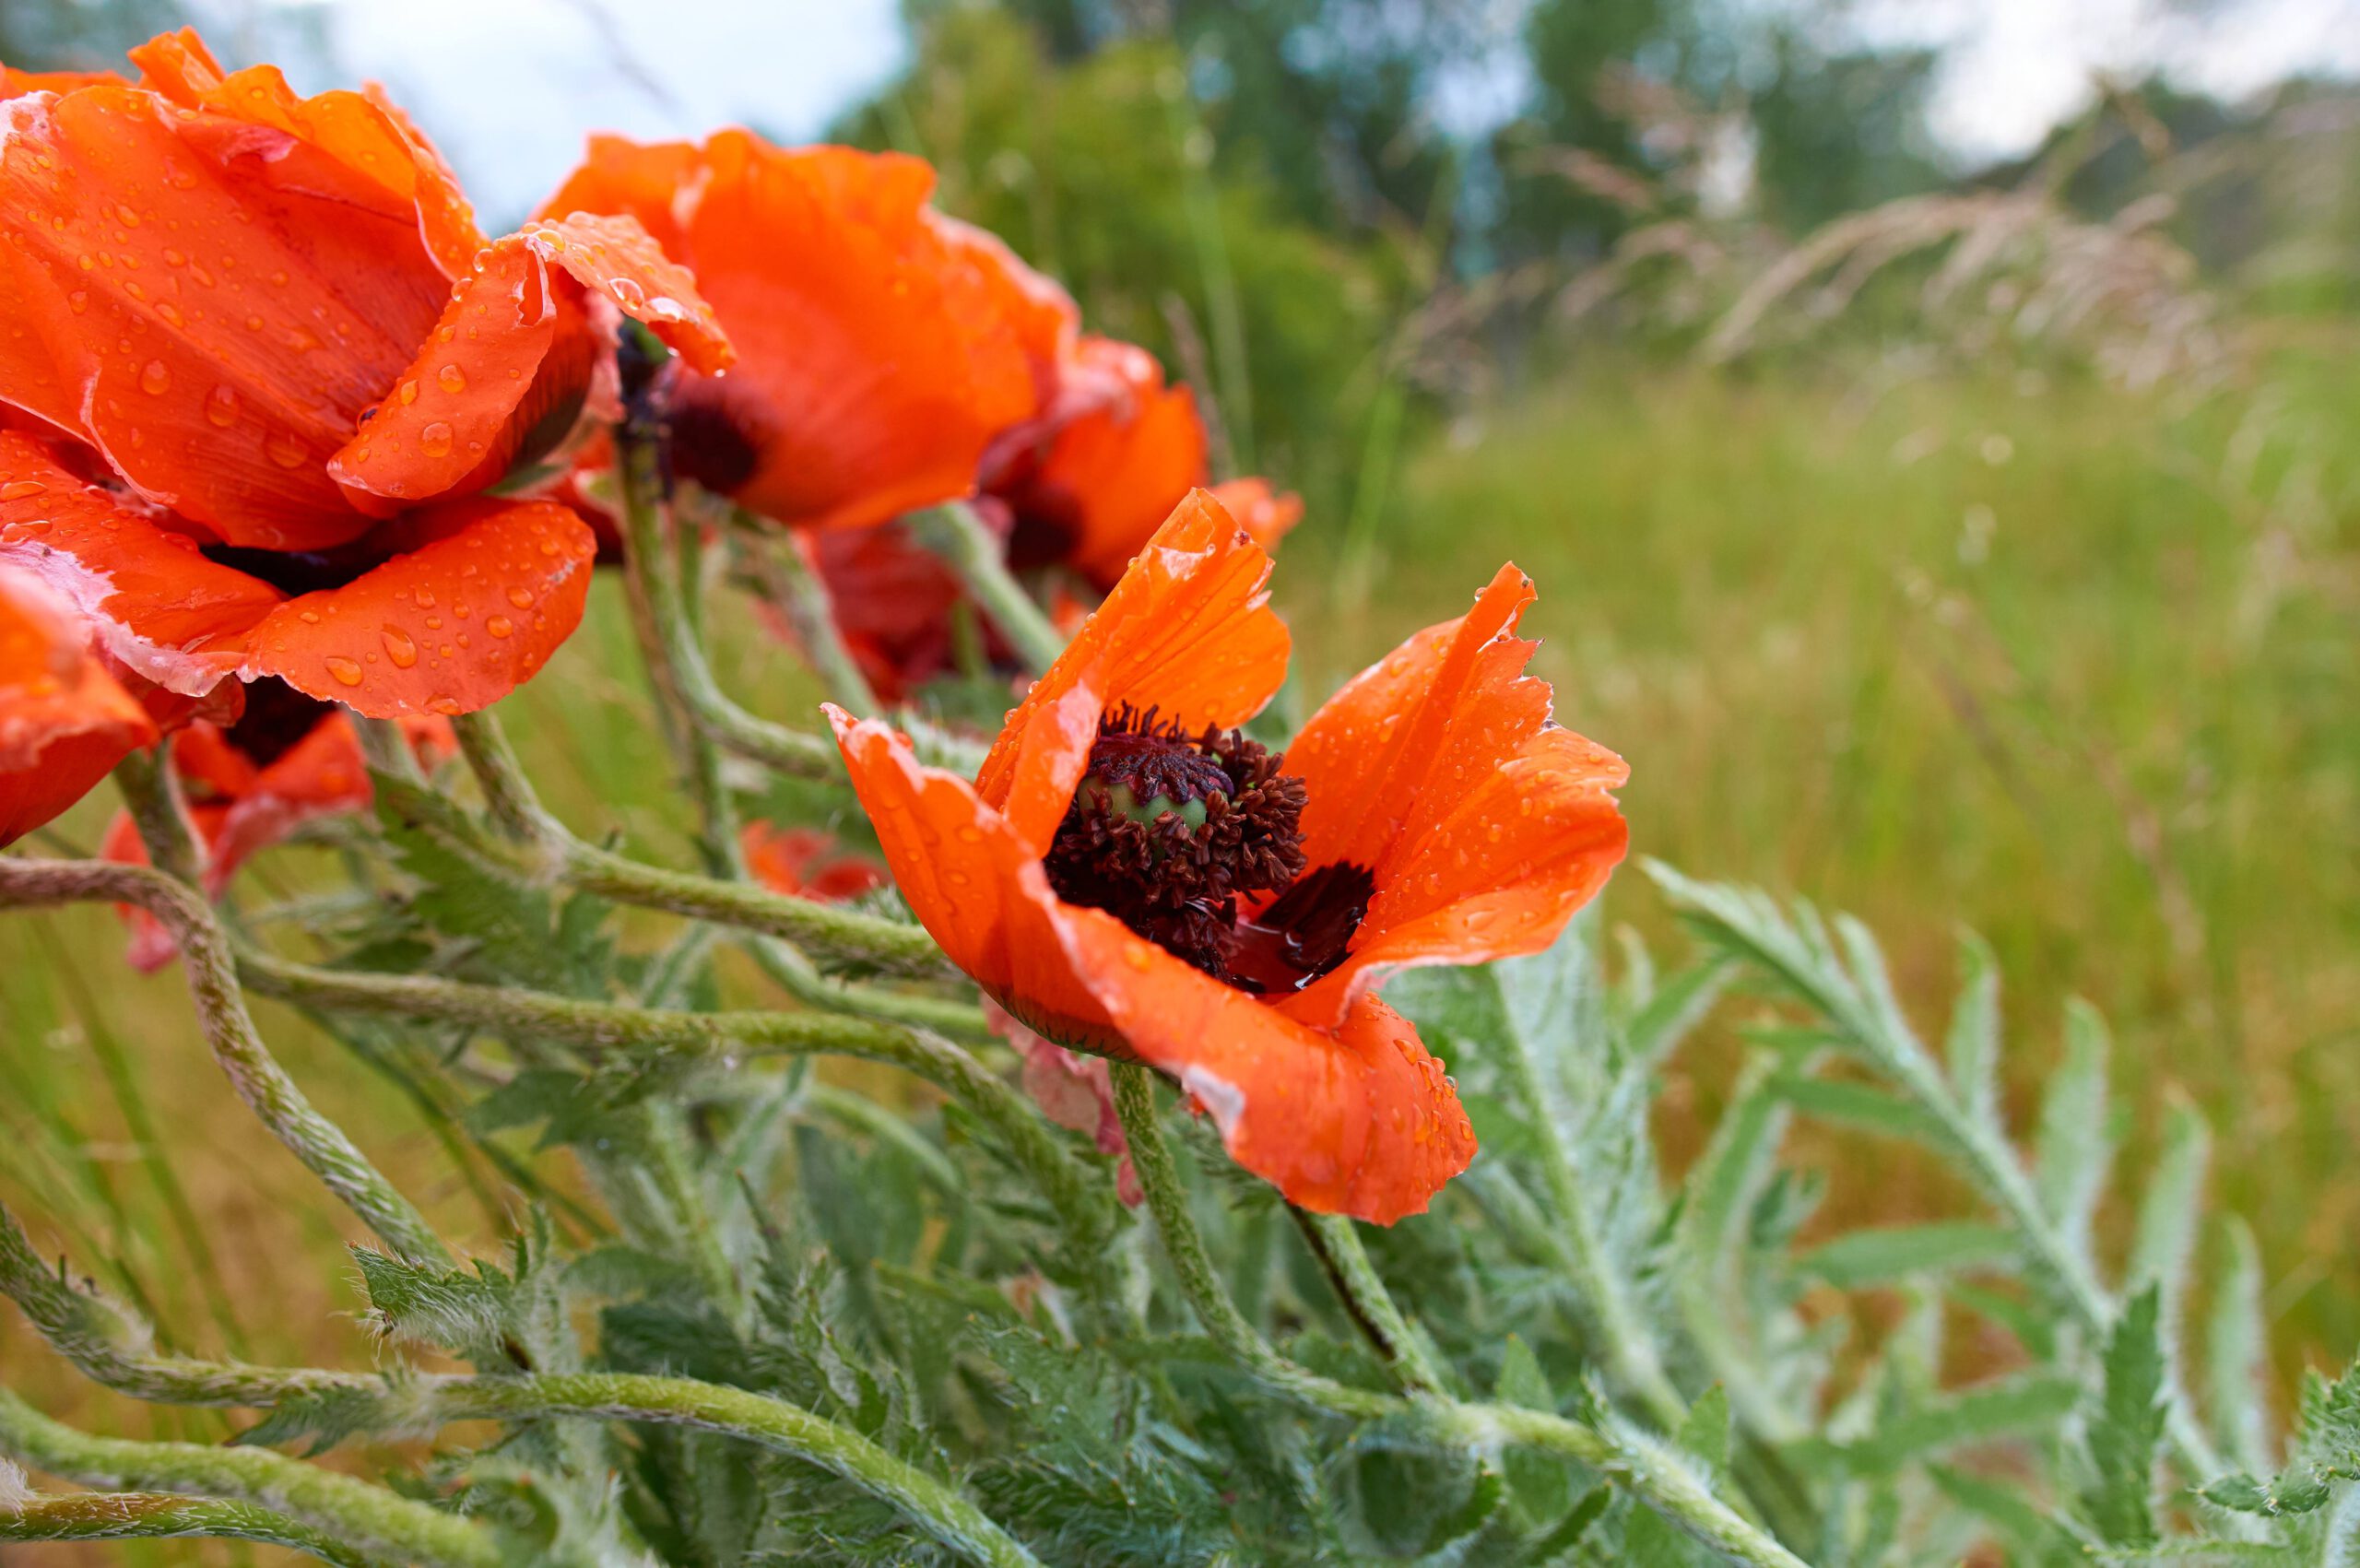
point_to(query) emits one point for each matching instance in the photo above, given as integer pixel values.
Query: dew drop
(444, 705)
(399, 646)
(409, 392)
(628, 294)
(521, 597)
(286, 449)
(451, 379)
(344, 670)
(500, 626)
(78, 301)
(156, 379)
(22, 489)
(221, 406)
(435, 438)
(309, 617)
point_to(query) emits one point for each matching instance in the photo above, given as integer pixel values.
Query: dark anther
(1305, 932)
(1169, 830)
(294, 572)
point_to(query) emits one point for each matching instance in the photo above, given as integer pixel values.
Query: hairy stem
(974, 553)
(791, 581)
(1336, 1242)
(157, 1516)
(371, 1517)
(230, 1031)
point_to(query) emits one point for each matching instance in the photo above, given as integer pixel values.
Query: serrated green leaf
(1859, 1105)
(1882, 1255)
(1973, 1044)
(1704, 1435)
(2236, 1351)
(2126, 1425)
(2075, 1141)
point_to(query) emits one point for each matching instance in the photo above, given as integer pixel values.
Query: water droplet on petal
(521, 597)
(78, 300)
(500, 626)
(446, 705)
(409, 392)
(344, 670)
(156, 379)
(221, 406)
(22, 489)
(286, 449)
(451, 379)
(399, 646)
(435, 438)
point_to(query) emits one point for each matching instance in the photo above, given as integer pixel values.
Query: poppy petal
(14, 83)
(616, 259)
(1108, 478)
(320, 776)
(1362, 1121)
(807, 862)
(211, 303)
(877, 359)
(1484, 826)
(64, 722)
(1265, 513)
(155, 603)
(963, 871)
(448, 628)
(1188, 630)
(364, 133)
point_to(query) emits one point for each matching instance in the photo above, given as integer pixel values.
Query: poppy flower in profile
(274, 320)
(1101, 483)
(288, 760)
(65, 722)
(806, 863)
(887, 354)
(1131, 875)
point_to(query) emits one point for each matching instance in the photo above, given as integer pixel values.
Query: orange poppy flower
(1129, 875)
(886, 353)
(276, 321)
(1101, 481)
(289, 759)
(807, 863)
(65, 722)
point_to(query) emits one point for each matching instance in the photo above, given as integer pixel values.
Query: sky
(509, 87)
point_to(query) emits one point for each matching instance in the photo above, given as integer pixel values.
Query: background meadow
(1955, 541)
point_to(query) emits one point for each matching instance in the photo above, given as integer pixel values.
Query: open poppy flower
(1128, 873)
(276, 321)
(886, 353)
(806, 863)
(289, 759)
(1101, 482)
(65, 722)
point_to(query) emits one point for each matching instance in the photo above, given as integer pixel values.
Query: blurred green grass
(1999, 647)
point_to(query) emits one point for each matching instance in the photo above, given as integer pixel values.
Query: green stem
(372, 1517)
(153, 797)
(1336, 1242)
(791, 580)
(731, 727)
(653, 1036)
(975, 555)
(157, 1515)
(230, 1031)
(931, 1504)
(1652, 1472)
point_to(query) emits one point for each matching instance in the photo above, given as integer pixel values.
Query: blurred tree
(87, 35)
(1834, 133)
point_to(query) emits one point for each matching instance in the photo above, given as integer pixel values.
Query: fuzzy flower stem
(253, 1071)
(153, 797)
(931, 1504)
(554, 855)
(958, 535)
(379, 1521)
(158, 1515)
(1336, 1242)
(690, 678)
(791, 581)
(1653, 1473)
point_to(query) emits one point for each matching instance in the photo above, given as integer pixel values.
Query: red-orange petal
(1268, 514)
(14, 82)
(1484, 826)
(64, 722)
(1361, 1120)
(807, 862)
(618, 261)
(965, 874)
(877, 359)
(448, 628)
(1188, 630)
(211, 302)
(167, 613)
(366, 136)
(320, 776)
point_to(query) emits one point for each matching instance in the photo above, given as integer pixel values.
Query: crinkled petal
(877, 360)
(447, 628)
(64, 722)
(151, 600)
(1360, 1120)
(961, 868)
(1438, 770)
(363, 132)
(209, 300)
(14, 83)
(1189, 630)
(615, 258)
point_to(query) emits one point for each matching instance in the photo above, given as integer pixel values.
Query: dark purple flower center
(1169, 830)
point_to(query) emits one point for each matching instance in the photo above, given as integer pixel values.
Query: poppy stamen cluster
(1168, 830)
